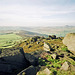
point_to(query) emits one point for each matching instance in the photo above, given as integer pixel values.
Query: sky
(37, 12)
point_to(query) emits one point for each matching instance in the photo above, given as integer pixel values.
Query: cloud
(35, 13)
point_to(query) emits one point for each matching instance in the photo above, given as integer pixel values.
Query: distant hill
(22, 31)
(30, 34)
(59, 31)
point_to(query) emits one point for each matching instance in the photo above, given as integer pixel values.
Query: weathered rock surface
(31, 70)
(5, 68)
(33, 60)
(69, 41)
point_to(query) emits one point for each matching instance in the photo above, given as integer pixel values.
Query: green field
(9, 40)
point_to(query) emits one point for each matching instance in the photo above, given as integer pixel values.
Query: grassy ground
(9, 40)
(33, 47)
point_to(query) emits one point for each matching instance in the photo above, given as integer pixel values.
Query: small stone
(44, 72)
(53, 56)
(46, 49)
(47, 46)
(65, 66)
(47, 71)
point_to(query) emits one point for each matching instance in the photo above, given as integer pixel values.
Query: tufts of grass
(51, 62)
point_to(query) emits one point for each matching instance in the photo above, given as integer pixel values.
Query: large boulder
(12, 59)
(69, 41)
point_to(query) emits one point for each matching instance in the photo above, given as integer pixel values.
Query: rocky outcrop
(69, 41)
(31, 70)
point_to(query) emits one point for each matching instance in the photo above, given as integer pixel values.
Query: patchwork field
(9, 40)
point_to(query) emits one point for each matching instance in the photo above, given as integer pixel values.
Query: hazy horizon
(38, 26)
(37, 13)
